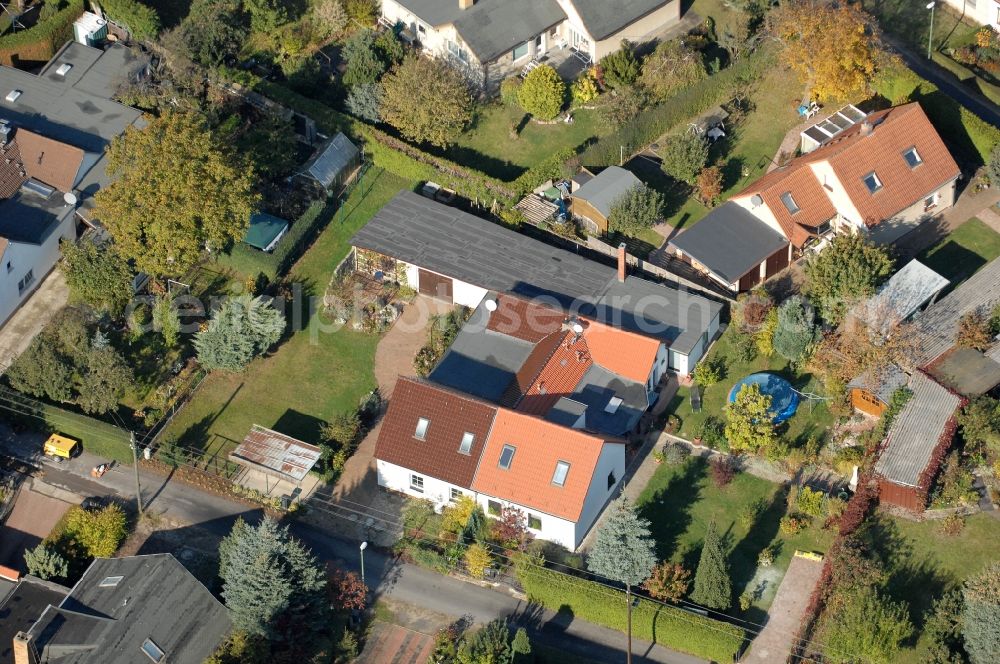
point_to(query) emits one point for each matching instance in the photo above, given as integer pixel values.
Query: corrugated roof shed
(900, 297)
(276, 453)
(331, 160)
(602, 190)
(915, 431)
(882, 386)
(937, 327)
(445, 240)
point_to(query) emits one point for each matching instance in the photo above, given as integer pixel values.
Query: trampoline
(784, 400)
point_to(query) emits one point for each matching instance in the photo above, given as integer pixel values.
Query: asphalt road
(386, 576)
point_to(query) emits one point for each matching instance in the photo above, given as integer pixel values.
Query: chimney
(621, 262)
(866, 127)
(24, 649)
(465, 4)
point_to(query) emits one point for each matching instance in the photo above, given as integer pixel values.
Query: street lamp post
(364, 545)
(930, 34)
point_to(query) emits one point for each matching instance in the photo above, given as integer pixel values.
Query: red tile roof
(852, 155)
(621, 352)
(539, 445)
(10, 171)
(525, 320)
(559, 377)
(450, 414)
(49, 161)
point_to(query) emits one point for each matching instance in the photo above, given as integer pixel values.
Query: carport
(275, 462)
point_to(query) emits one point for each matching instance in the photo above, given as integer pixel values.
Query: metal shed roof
(915, 432)
(275, 453)
(331, 159)
(263, 229)
(900, 297)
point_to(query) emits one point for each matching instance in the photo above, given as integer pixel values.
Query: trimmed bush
(40, 42)
(669, 626)
(141, 20)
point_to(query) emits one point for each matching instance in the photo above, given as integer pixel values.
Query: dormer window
(507, 456)
(789, 202)
(872, 182)
(421, 431)
(912, 158)
(467, 440)
(559, 477)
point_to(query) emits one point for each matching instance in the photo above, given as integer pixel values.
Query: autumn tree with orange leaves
(836, 49)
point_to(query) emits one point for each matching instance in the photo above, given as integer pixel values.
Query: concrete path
(50, 296)
(990, 217)
(775, 641)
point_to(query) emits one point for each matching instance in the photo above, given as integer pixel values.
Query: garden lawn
(959, 255)
(927, 563)
(312, 375)
(812, 418)
(488, 147)
(681, 500)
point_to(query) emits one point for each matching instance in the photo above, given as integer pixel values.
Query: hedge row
(971, 136)
(40, 42)
(141, 20)
(659, 119)
(251, 261)
(666, 625)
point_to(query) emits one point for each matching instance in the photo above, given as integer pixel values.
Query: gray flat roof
(99, 72)
(603, 189)
(916, 431)
(729, 241)
(596, 389)
(937, 326)
(30, 218)
(966, 370)
(490, 28)
(20, 606)
(156, 599)
(901, 296)
(446, 240)
(602, 18)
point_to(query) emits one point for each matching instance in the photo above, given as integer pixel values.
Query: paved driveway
(21, 328)
(392, 644)
(774, 643)
(33, 517)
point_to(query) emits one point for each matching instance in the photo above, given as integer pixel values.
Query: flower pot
(697, 441)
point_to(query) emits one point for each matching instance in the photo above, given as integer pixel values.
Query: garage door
(750, 279)
(435, 285)
(777, 262)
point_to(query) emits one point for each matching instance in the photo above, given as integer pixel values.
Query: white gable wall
(397, 478)
(554, 529)
(835, 191)
(640, 30)
(762, 212)
(612, 460)
(22, 257)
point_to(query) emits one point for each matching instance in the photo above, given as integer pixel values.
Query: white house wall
(467, 294)
(397, 478)
(761, 211)
(21, 258)
(640, 30)
(835, 191)
(612, 460)
(980, 11)
(892, 229)
(554, 529)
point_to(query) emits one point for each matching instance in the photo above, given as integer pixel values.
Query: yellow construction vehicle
(61, 447)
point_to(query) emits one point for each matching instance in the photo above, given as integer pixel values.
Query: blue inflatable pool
(784, 400)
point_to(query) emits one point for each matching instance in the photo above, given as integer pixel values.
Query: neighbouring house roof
(275, 453)
(264, 229)
(966, 371)
(449, 416)
(937, 327)
(503, 357)
(853, 154)
(730, 241)
(901, 296)
(99, 72)
(606, 187)
(603, 19)
(448, 241)
(882, 387)
(916, 431)
(105, 620)
(539, 445)
(331, 159)
(49, 161)
(30, 217)
(490, 28)
(20, 608)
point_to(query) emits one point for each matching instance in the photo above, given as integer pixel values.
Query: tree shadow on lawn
(669, 510)
(299, 425)
(743, 556)
(197, 436)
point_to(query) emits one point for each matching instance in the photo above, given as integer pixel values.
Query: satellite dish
(577, 328)
(756, 200)
(491, 305)
(70, 198)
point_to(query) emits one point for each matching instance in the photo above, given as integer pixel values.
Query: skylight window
(789, 202)
(64, 69)
(507, 456)
(872, 182)
(110, 581)
(152, 651)
(613, 405)
(559, 477)
(912, 158)
(467, 440)
(421, 431)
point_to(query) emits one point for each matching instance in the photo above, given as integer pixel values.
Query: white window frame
(454, 494)
(565, 474)
(916, 153)
(536, 518)
(527, 51)
(416, 483)
(468, 440)
(420, 433)
(25, 282)
(510, 459)
(877, 180)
